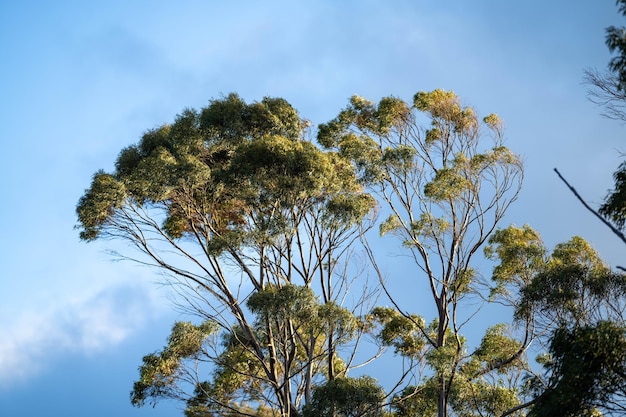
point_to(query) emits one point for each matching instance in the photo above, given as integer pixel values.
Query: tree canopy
(266, 240)
(245, 217)
(446, 179)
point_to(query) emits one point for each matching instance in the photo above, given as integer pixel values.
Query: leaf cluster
(231, 173)
(588, 368)
(160, 371)
(347, 397)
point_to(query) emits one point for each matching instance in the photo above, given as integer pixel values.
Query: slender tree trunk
(442, 400)
(331, 354)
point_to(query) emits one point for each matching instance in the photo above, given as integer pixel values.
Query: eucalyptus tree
(576, 304)
(446, 180)
(254, 227)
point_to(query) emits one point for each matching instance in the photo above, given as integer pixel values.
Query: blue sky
(81, 80)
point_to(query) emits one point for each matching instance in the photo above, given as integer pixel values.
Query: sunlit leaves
(497, 348)
(347, 209)
(417, 400)
(428, 226)
(444, 107)
(446, 190)
(231, 121)
(571, 286)
(298, 307)
(482, 398)
(230, 172)
(347, 397)
(405, 334)
(447, 184)
(390, 224)
(159, 372)
(238, 374)
(235, 191)
(399, 158)
(493, 121)
(105, 195)
(282, 303)
(391, 112)
(439, 103)
(521, 253)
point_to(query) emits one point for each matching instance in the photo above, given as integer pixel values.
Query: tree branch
(519, 407)
(588, 207)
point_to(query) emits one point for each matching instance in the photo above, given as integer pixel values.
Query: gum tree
(576, 304)
(446, 180)
(253, 226)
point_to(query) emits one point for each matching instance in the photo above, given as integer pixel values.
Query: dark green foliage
(588, 369)
(614, 206)
(283, 303)
(610, 92)
(231, 120)
(616, 42)
(496, 350)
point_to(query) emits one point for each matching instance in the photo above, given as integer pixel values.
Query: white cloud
(84, 325)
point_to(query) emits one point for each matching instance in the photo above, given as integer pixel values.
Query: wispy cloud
(84, 326)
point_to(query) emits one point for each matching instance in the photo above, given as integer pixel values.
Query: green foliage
(470, 393)
(237, 375)
(405, 334)
(417, 400)
(572, 285)
(616, 42)
(482, 399)
(98, 204)
(234, 191)
(159, 372)
(445, 109)
(588, 368)
(390, 225)
(448, 184)
(219, 170)
(467, 399)
(574, 299)
(300, 309)
(446, 191)
(231, 120)
(427, 226)
(614, 206)
(283, 303)
(496, 350)
(521, 254)
(347, 397)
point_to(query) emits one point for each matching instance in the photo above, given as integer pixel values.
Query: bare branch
(594, 212)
